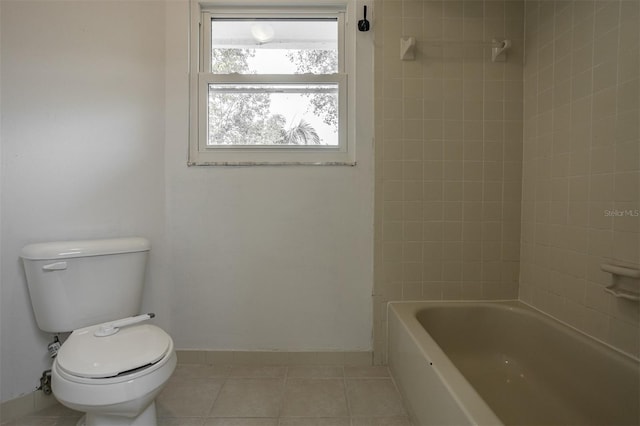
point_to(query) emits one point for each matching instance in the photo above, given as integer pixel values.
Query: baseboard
(194, 356)
(25, 405)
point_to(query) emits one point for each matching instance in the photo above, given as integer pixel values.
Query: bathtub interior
(527, 367)
(531, 369)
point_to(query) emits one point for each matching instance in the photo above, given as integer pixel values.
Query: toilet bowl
(114, 379)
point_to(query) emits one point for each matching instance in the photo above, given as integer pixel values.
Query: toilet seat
(131, 350)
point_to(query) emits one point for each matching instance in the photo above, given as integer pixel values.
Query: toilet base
(146, 418)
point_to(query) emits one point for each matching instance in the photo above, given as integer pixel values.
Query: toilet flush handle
(57, 266)
(113, 327)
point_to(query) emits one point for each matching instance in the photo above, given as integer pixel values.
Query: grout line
(284, 392)
(224, 382)
(346, 396)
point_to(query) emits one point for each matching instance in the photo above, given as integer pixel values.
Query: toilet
(113, 364)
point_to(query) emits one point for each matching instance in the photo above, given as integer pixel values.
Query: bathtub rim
(516, 303)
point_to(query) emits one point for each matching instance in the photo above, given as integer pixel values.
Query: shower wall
(448, 153)
(581, 179)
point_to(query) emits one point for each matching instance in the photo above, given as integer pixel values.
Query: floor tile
(180, 421)
(314, 421)
(247, 421)
(364, 371)
(249, 398)
(55, 415)
(200, 371)
(39, 421)
(257, 371)
(192, 398)
(264, 395)
(315, 371)
(374, 398)
(314, 398)
(381, 421)
(311, 421)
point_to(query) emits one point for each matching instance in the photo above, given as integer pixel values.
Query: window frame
(200, 77)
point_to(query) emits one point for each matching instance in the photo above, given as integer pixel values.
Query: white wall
(82, 146)
(266, 257)
(94, 144)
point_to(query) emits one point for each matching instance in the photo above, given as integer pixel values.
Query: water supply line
(45, 378)
(54, 347)
(45, 382)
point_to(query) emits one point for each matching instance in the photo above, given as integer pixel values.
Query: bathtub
(492, 363)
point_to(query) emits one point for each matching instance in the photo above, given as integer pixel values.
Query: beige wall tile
(450, 130)
(582, 229)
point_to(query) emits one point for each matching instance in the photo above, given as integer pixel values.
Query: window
(269, 86)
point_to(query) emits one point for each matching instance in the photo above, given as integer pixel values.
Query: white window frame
(200, 77)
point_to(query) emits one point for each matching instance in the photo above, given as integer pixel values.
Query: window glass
(273, 114)
(274, 46)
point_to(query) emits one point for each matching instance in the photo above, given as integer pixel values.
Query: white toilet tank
(74, 284)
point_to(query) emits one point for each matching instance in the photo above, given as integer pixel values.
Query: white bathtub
(492, 363)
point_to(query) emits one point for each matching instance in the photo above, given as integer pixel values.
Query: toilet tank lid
(84, 248)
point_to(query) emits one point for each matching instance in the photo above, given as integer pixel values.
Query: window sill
(264, 163)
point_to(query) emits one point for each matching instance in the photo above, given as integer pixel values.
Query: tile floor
(249, 395)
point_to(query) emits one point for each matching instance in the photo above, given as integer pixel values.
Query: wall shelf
(625, 281)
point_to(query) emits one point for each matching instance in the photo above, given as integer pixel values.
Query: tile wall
(581, 179)
(448, 153)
